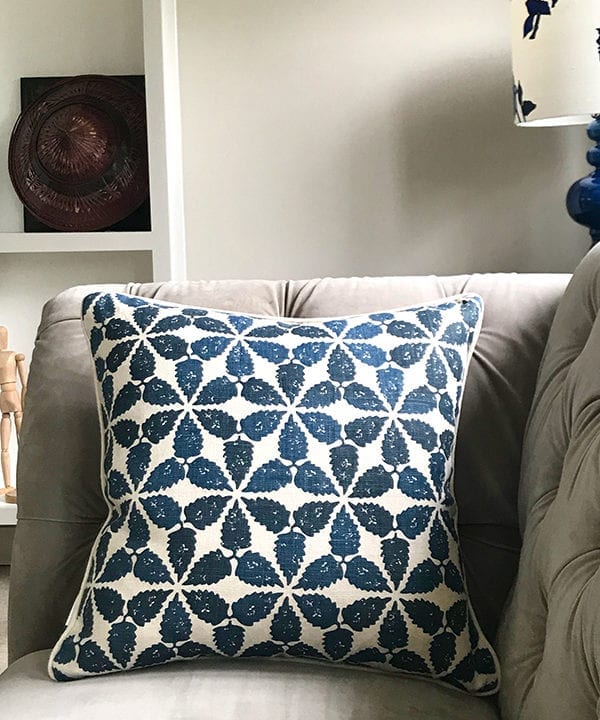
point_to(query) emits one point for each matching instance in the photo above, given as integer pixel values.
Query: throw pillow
(278, 487)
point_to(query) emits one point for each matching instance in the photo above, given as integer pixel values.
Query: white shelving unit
(8, 514)
(166, 240)
(161, 63)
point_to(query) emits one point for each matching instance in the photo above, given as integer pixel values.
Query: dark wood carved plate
(78, 156)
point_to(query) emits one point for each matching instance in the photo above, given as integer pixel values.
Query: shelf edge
(76, 242)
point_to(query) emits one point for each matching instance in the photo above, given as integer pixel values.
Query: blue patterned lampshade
(556, 61)
(556, 70)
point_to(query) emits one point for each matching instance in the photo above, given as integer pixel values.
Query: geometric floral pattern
(278, 487)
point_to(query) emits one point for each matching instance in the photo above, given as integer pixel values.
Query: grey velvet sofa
(527, 481)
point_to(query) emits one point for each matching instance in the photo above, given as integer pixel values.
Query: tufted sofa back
(60, 503)
(550, 635)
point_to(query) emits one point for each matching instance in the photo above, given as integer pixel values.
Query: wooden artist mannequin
(12, 365)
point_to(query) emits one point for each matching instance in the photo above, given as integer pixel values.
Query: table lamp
(556, 69)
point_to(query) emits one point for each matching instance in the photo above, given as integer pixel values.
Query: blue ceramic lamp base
(583, 198)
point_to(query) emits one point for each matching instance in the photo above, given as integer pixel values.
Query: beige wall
(365, 137)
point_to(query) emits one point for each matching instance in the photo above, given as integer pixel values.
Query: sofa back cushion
(61, 506)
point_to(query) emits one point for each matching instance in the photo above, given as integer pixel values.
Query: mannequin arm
(22, 371)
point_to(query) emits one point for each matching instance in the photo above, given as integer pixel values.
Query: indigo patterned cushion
(278, 487)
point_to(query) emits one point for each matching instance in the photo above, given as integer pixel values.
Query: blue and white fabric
(278, 487)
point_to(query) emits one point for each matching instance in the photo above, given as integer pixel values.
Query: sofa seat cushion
(227, 690)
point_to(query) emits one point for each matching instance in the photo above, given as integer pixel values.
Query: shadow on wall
(473, 191)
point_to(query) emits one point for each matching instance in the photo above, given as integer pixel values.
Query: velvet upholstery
(61, 506)
(248, 689)
(549, 637)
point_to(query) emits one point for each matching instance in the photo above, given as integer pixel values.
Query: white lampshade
(556, 61)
